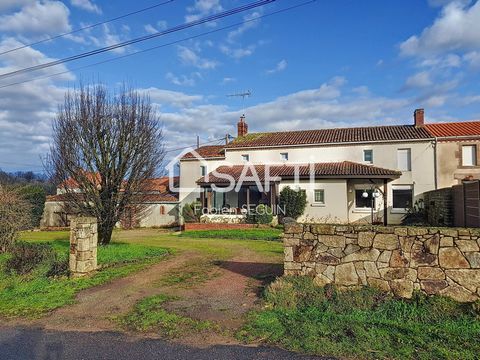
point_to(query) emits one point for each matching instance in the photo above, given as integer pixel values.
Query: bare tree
(105, 147)
(14, 216)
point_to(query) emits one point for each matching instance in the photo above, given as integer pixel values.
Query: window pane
(402, 198)
(203, 170)
(284, 156)
(245, 157)
(361, 202)
(319, 196)
(368, 156)
(469, 155)
(404, 157)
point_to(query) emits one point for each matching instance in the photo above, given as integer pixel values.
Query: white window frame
(245, 157)
(473, 161)
(364, 152)
(401, 187)
(318, 203)
(284, 156)
(409, 159)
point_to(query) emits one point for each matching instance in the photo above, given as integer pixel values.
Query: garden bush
(25, 257)
(293, 201)
(13, 217)
(35, 196)
(191, 212)
(261, 215)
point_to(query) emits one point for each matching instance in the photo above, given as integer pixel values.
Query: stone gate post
(83, 245)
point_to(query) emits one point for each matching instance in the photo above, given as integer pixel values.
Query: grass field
(364, 324)
(245, 234)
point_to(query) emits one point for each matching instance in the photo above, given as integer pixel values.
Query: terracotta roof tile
(328, 136)
(208, 151)
(453, 129)
(333, 169)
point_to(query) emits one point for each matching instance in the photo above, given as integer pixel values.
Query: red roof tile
(329, 136)
(333, 170)
(208, 151)
(453, 129)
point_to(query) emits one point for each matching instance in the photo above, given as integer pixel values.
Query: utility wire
(88, 27)
(163, 45)
(142, 38)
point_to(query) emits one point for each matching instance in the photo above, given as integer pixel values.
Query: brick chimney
(242, 127)
(419, 117)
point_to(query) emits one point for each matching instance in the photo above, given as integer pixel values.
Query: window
(246, 157)
(162, 210)
(284, 156)
(319, 196)
(402, 197)
(203, 170)
(368, 156)
(469, 155)
(404, 158)
(363, 202)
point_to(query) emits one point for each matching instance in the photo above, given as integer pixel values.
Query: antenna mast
(243, 95)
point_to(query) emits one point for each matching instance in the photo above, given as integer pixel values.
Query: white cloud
(281, 66)
(457, 28)
(237, 53)
(419, 80)
(168, 98)
(109, 37)
(37, 18)
(202, 8)
(227, 80)
(26, 110)
(86, 5)
(183, 80)
(189, 57)
(160, 26)
(13, 4)
(250, 24)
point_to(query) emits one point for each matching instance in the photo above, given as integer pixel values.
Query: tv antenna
(243, 95)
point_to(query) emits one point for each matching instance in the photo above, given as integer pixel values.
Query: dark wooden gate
(466, 200)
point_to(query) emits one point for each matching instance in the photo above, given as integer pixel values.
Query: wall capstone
(443, 261)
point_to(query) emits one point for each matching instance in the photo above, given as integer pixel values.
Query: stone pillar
(83, 245)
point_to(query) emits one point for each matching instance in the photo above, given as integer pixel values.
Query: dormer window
(284, 156)
(246, 157)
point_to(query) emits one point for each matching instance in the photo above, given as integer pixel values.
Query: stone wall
(83, 245)
(443, 261)
(439, 207)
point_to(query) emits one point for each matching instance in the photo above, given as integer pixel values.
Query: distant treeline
(32, 188)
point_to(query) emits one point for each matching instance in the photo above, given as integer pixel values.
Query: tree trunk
(105, 230)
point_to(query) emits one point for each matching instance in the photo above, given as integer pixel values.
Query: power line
(163, 45)
(142, 38)
(88, 27)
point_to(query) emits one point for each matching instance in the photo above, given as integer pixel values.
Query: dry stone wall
(83, 245)
(444, 261)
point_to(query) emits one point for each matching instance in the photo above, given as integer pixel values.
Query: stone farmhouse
(350, 175)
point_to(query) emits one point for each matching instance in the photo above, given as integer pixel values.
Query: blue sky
(327, 64)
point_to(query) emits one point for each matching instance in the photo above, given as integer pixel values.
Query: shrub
(191, 212)
(293, 201)
(261, 215)
(26, 257)
(13, 217)
(35, 196)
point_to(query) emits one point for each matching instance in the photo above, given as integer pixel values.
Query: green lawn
(365, 323)
(246, 234)
(33, 294)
